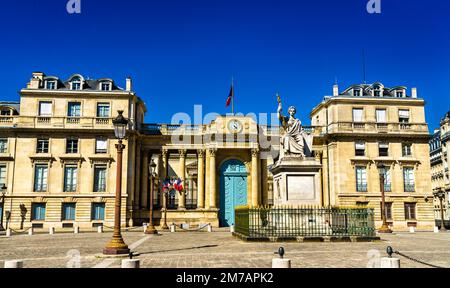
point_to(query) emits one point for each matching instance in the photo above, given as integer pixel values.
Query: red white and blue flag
(178, 185)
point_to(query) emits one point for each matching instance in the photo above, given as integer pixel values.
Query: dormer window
(356, 92)
(399, 94)
(76, 83)
(50, 84)
(105, 86)
(377, 92)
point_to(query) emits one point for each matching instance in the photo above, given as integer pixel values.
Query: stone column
(137, 183)
(255, 178)
(164, 174)
(212, 178)
(182, 200)
(200, 180)
(144, 180)
(207, 180)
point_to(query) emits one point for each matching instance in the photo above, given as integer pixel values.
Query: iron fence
(284, 222)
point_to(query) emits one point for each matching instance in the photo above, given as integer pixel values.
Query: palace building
(58, 157)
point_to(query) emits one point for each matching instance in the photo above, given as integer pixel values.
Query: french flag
(178, 185)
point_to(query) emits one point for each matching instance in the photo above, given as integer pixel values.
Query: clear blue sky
(184, 52)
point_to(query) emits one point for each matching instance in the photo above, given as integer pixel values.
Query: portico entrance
(233, 190)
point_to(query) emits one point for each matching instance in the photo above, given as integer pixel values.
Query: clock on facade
(235, 126)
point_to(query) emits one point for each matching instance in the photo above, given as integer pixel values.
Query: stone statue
(292, 140)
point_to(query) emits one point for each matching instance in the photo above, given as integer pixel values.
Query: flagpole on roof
(232, 96)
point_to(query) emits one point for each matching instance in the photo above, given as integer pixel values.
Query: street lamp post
(3, 188)
(165, 195)
(384, 227)
(151, 228)
(441, 195)
(117, 246)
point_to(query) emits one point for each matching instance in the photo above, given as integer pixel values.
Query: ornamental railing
(285, 222)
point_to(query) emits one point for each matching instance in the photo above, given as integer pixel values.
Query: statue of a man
(292, 141)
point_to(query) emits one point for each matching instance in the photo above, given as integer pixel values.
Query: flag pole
(232, 96)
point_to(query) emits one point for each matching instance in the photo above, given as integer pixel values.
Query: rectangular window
(410, 211)
(51, 85)
(101, 146)
(98, 211)
(70, 179)
(387, 180)
(360, 149)
(403, 116)
(74, 109)
(100, 179)
(377, 93)
(72, 146)
(361, 179)
(68, 212)
(45, 108)
(408, 179)
(76, 85)
(388, 210)
(38, 211)
(356, 92)
(407, 150)
(358, 115)
(383, 149)
(3, 145)
(40, 178)
(381, 116)
(42, 146)
(2, 175)
(103, 110)
(399, 94)
(105, 86)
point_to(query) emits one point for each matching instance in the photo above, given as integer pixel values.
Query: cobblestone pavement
(219, 249)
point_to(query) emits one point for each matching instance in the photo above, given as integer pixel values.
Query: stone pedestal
(297, 181)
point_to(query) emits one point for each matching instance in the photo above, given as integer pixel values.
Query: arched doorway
(233, 190)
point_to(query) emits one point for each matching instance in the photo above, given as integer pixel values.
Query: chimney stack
(414, 92)
(129, 84)
(37, 80)
(335, 90)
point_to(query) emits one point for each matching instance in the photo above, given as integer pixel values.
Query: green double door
(233, 190)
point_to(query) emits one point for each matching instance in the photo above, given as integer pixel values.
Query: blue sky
(184, 52)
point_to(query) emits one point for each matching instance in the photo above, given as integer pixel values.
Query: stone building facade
(58, 161)
(440, 162)
(363, 126)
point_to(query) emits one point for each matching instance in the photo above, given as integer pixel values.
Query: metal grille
(296, 222)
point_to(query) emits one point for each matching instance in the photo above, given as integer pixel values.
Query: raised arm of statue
(279, 110)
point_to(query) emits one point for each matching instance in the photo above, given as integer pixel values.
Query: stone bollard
(144, 226)
(30, 231)
(100, 229)
(76, 230)
(387, 262)
(8, 232)
(131, 263)
(412, 229)
(210, 228)
(281, 262)
(436, 229)
(51, 230)
(232, 229)
(14, 264)
(172, 228)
